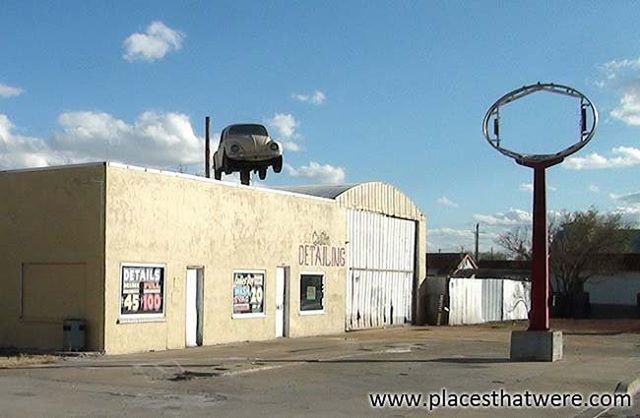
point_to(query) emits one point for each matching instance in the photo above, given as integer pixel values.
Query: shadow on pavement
(262, 361)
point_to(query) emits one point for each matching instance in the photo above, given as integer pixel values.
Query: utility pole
(477, 253)
(207, 148)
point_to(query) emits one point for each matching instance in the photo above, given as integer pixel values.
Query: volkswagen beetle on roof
(246, 148)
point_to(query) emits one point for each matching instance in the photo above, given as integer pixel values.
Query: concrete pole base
(536, 345)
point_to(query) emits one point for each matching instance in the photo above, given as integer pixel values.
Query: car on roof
(246, 147)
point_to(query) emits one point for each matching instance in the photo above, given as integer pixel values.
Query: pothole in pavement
(172, 401)
(190, 375)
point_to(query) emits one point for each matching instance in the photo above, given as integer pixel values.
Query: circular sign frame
(587, 131)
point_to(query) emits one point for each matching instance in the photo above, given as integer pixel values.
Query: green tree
(587, 243)
(581, 244)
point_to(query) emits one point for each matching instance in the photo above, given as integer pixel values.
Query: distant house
(504, 269)
(616, 295)
(440, 268)
(449, 264)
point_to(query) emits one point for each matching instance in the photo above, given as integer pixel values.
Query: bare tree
(516, 242)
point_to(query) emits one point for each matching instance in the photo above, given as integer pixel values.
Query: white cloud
(628, 207)
(18, 151)
(593, 188)
(450, 232)
(526, 187)
(628, 109)
(321, 173)
(622, 75)
(317, 98)
(286, 125)
(445, 201)
(511, 218)
(629, 214)
(450, 239)
(8, 91)
(162, 140)
(155, 139)
(154, 44)
(622, 157)
(614, 68)
(629, 198)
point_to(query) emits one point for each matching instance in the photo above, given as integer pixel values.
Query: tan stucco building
(154, 260)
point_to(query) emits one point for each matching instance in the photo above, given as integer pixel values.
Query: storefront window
(311, 292)
(248, 293)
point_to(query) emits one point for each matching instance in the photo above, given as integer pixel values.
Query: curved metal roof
(319, 190)
(371, 196)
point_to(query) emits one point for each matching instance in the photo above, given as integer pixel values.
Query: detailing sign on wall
(318, 251)
(248, 292)
(142, 290)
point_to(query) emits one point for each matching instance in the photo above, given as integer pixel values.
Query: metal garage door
(381, 270)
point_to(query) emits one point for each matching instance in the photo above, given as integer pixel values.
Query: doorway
(282, 309)
(194, 303)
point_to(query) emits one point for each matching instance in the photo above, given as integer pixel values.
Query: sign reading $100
(142, 290)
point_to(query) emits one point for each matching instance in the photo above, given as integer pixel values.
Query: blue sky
(357, 90)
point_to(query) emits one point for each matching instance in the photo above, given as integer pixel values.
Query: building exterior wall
(621, 288)
(51, 254)
(180, 221)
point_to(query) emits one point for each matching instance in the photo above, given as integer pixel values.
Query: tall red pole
(539, 316)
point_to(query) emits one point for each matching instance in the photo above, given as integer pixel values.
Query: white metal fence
(475, 301)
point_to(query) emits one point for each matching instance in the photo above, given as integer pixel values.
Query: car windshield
(248, 130)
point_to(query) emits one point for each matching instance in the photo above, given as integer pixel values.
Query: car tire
(225, 165)
(217, 174)
(262, 173)
(277, 165)
(245, 177)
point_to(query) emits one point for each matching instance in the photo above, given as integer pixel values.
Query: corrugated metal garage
(386, 234)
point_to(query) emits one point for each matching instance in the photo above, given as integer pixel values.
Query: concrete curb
(630, 386)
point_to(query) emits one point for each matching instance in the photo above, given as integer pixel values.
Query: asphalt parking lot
(323, 376)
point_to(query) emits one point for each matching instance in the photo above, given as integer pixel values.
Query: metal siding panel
(380, 298)
(366, 300)
(491, 300)
(516, 300)
(381, 247)
(465, 305)
(361, 297)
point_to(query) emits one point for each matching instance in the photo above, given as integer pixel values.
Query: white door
(281, 291)
(191, 313)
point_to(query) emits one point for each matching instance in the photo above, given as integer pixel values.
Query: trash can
(74, 334)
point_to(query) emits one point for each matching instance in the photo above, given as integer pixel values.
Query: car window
(248, 130)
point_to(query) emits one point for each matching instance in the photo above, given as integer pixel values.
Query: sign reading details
(142, 290)
(319, 252)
